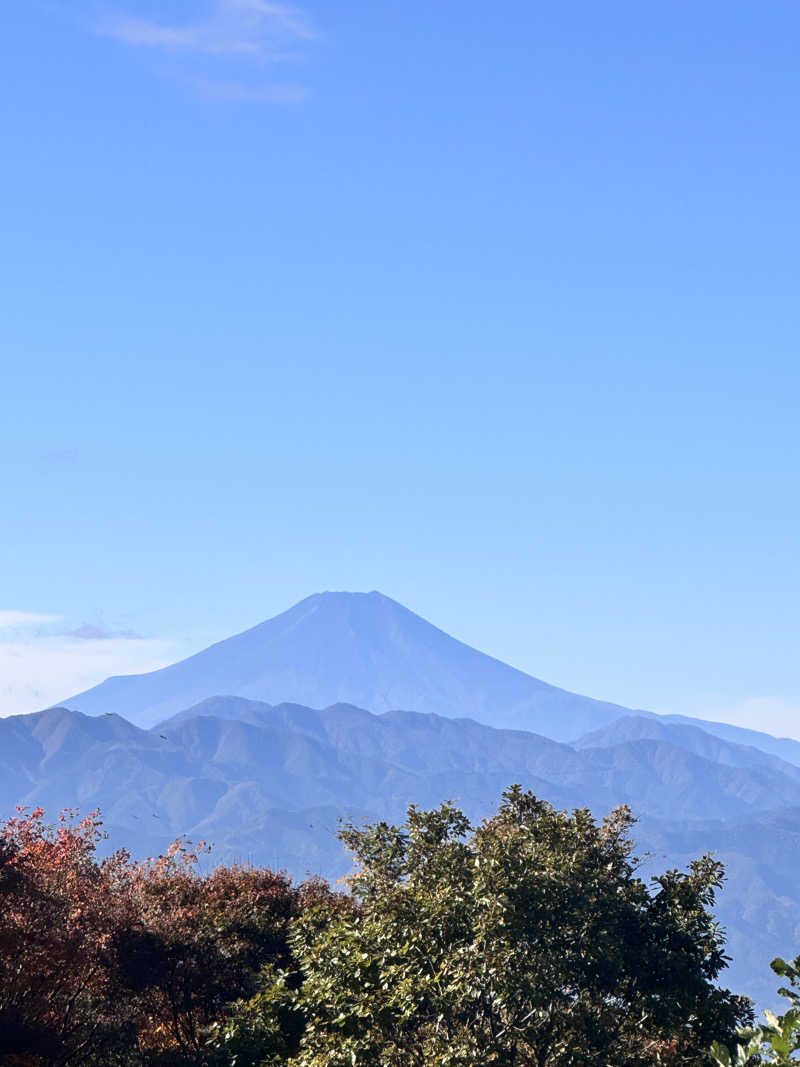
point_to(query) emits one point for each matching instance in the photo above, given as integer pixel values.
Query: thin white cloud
(189, 38)
(89, 631)
(233, 27)
(41, 662)
(37, 672)
(12, 620)
(292, 20)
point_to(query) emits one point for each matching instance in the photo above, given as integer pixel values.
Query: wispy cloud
(190, 38)
(223, 49)
(42, 663)
(232, 27)
(88, 631)
(13, 620)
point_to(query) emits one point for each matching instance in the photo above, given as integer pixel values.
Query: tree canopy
(111, 961)
(530, 939)
(777, 1040)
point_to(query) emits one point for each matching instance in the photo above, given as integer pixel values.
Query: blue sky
(492, 309)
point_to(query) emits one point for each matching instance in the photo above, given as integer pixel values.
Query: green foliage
(777, 1040)
(260, 1032)
(529, 940)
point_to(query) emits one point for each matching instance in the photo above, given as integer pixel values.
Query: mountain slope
(267, 784)
(785, 748)
(190, 769)
(357, 648)
(688, 734)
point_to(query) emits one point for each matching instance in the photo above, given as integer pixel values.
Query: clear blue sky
(492, 308)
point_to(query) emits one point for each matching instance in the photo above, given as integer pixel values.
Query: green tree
(529, 940)
(777, 1040)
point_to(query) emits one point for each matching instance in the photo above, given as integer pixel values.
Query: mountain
(267, 784)
(293, 757)
(227, 746)
(735, 747)
(786, 748)
(357, 648)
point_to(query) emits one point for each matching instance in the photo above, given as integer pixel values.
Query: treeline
(528, 940)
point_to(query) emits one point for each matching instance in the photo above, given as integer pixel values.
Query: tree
(110, 962)
(777, 1040)
(60, 913)
(527, 941)
(200, 945)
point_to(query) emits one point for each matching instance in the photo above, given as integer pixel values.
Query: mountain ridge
(359, 648)
(267, 783)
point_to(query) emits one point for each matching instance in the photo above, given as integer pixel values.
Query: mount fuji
(354, 648)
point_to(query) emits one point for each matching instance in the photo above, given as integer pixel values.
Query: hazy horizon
(51, 629)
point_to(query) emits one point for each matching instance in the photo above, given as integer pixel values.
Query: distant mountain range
(367, 650)
(350, 706)
(268, 784)
(355, 648)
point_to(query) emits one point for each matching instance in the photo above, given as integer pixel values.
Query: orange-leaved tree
(200, 943)
(62, 912)
(110, 961)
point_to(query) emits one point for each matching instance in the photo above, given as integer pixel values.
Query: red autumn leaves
(95, 953)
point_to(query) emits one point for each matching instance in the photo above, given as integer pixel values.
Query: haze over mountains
(367, 650)
(358, 648)
(261, 743)
(268, 784)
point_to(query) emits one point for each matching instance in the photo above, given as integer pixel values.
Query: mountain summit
(356, 648)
